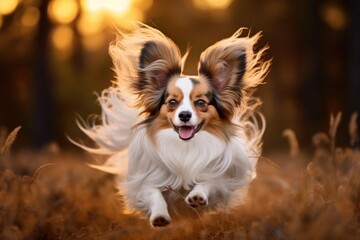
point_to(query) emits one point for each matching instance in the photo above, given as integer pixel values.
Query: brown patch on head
(158, 123)
(173, 95)
(203, 97)
(161, 121)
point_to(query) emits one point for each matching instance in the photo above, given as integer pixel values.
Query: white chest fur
(193, 160)
(188, 157)
(183, 163)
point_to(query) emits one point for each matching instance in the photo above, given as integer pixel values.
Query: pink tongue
(186, 132)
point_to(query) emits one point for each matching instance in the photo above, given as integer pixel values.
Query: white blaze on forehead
(186, 86)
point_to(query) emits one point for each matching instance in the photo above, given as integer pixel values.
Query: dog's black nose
(185, 116)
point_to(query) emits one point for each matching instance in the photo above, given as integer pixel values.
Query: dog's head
(227, 72)
(188, 105)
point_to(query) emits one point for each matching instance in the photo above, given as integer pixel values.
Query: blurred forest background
(54, 56)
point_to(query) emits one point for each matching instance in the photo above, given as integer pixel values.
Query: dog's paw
(196, 200)
(160, 221)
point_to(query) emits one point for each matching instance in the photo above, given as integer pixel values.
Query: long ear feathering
(135, 76)
(234, 70)
(144, 60)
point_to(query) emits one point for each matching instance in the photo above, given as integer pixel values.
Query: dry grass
(53, 195)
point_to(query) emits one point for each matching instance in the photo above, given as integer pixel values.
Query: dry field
(53, 194)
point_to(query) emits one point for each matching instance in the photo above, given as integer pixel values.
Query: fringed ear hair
(233, 69)
(159, 60)
(144, 61)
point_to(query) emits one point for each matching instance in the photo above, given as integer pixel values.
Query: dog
(198, 135)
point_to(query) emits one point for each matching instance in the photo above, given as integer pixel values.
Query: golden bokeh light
(31, 17)
(118, 7)
(334, 16)
(63, 11)
(62, 38)
(126, 21)
(8, 6)
(97, 14)
(212, 4)
(89, 24)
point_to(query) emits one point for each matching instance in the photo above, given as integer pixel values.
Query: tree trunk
(43, 102)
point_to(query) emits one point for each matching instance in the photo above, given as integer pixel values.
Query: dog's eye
(201, 104)
(172, 103)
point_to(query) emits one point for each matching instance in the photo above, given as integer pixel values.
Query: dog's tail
(251, 129)
(253, 124)
(112, 131)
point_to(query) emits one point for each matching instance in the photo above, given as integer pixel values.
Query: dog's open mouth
(187, 132)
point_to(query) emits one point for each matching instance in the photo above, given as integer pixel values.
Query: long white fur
(204, 165)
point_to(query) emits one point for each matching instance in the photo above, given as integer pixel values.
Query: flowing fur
(205, 167)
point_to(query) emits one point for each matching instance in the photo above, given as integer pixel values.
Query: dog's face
(188, 105)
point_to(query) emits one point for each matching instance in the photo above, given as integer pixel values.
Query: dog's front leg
(159, 215)
(199, 195)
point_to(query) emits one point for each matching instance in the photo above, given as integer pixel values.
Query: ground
(53, 194)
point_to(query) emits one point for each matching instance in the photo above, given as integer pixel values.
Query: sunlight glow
(212, 4)
(98, 14)
(89, 24)
(63, 11)
(118, 7)
(126, 21)
(62, 38)
(31, 17)
(8, 6)
(95, 17)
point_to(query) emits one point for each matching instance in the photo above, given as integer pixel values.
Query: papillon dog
(197, 135)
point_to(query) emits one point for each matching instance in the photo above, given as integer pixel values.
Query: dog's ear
(233, 70)
(145, 59)
(159, 60)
